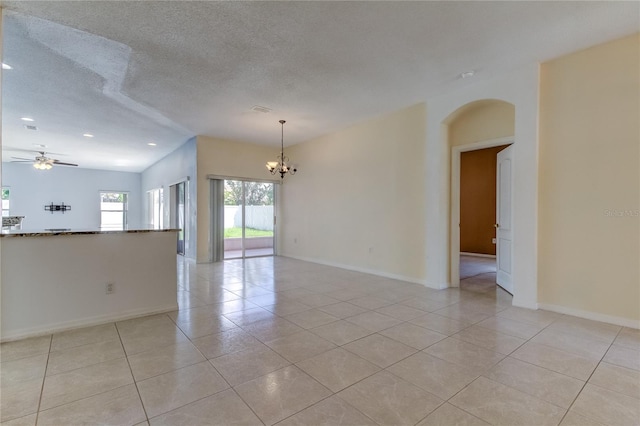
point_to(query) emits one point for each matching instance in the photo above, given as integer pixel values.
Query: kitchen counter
(62, 279)
(52, 232)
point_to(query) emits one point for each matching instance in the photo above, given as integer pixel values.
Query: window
(155, 207)
(113, 210)
(5, 201)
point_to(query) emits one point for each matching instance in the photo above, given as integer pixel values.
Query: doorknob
(495, 225)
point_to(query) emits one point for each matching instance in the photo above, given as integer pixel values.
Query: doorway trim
(456, 152)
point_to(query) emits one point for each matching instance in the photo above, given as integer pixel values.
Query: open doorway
(481, 188)
(481, 131)
(480, 191)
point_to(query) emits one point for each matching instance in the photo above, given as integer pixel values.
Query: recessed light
(152, 144)
(6, 66)
(27, 119)
(87, 135)
(468, 74)
(39, 145)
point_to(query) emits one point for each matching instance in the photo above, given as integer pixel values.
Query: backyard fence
(256, 217)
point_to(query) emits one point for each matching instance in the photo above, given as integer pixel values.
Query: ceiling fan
(42, 162)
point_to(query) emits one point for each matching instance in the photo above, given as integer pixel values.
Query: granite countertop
(52, 232)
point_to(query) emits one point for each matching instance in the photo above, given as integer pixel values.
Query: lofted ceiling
(137, 72)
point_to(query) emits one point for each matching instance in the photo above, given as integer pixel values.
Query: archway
(476, 133)
(520, 90)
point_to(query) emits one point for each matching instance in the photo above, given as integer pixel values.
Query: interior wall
(481, 121)
(176, 166)
(230, 159)
(32, 189)
(589, 239)
(358, 198)
(478, 200)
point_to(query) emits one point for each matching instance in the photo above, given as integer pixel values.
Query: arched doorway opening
(481, 237)
(520, 90)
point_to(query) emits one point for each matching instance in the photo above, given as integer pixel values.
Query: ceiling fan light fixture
(42, 165)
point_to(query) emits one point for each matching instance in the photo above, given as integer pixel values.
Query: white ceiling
(134, 72)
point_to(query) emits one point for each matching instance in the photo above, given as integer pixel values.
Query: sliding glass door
(248, 219)
(178, 213)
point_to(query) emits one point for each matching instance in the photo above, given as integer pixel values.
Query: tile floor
(279, 341)
(476, 265)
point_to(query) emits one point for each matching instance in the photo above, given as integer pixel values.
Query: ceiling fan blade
(60, 163)
(22, 159)
(14, 149)
(34, 151)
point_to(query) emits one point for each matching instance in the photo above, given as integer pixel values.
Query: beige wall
(228, 159)
(358, 198)
(481, 121)
(589, 170)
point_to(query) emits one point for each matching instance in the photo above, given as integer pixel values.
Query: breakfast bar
(55, 280)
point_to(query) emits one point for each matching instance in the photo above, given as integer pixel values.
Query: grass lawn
(249, 232)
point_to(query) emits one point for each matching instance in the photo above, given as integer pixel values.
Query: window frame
(125, 210)
(151, 204)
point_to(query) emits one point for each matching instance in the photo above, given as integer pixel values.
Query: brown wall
(478, 200)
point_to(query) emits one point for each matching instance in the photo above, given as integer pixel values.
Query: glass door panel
(248, 219)
(258, 219)
(233, 228)
(177, 213)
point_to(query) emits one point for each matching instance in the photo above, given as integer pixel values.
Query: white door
(504, 228)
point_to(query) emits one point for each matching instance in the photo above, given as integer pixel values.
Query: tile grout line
(135, 383)
(87, 344)
(565, 375)
(208, 361)
(43, 379)
(590, 376)
(304, 372)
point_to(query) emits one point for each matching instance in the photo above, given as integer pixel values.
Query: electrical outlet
(109, 288)
(493, 240)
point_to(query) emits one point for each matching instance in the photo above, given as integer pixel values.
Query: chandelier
(281, 165)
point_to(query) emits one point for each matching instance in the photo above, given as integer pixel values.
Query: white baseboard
(527, 304)
(625, 322)
(464, 253)
(86, 322)
(359, 269)
(437, 286)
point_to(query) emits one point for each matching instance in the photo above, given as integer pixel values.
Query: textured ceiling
(135, 72)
